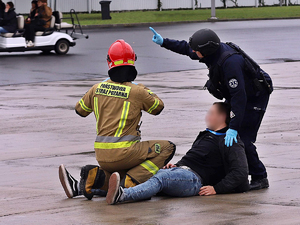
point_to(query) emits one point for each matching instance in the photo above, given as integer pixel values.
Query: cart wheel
(62, 47)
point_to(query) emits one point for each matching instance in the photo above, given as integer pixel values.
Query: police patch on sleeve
(233, 83)
(232, 115)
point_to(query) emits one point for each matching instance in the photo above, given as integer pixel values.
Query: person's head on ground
(218, 116)
(121, 59)
(204, 42)
(41, 3)
(34, 4)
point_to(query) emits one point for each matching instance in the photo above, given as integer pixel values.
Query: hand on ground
(207, 190)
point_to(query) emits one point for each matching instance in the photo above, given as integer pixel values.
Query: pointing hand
(157, 38)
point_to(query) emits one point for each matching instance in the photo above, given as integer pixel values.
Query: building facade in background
(23, 6)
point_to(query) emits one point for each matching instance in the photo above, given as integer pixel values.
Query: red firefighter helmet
(120, 53)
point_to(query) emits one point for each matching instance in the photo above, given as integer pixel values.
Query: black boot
(258, 184)
(92, 179)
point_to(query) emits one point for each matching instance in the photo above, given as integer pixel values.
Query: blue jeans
(2, 30)
(176, 182)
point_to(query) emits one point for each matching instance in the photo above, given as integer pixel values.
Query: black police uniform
(247, 104)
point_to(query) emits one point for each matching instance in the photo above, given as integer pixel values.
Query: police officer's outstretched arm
(151, 103)
(84, 107)
(234, 80)
(180, 47)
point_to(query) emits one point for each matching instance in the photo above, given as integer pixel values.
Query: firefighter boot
(92, 179)
(128, 182)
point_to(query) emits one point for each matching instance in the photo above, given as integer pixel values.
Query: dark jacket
(32, 14)
(232, 71)
(224, 168)
(2, 8)
(10, 22)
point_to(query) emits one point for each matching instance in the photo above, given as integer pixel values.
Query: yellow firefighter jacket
(117, 108)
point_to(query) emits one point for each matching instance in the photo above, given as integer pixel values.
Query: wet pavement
(39, 130)
(267, 41)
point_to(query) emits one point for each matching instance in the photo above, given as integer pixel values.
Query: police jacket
(10, 22)
(232, 82)
(224, 168)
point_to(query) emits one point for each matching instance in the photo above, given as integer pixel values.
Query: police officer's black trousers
(254, 113)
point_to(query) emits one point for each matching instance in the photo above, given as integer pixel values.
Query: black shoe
(115, 191)
(69, 183)
(259, 184)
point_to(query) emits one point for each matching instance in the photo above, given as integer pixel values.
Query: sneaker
(259, 184)
(30, 44)
(115, 192)
(69, 183)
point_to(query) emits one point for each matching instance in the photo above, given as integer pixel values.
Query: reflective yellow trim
(84, 107)
(124, 144)
(122, 62)
(130, 62)
(123, 119)
(150, 92)
(150, 166)
(119, 62)
(96, 111)
(156, 103)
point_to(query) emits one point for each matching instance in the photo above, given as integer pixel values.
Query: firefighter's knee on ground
(172, 149)
(92, 179)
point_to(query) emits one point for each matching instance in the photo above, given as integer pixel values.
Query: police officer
(117, 104)
(233, 75)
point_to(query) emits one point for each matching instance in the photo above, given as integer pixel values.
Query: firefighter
(233, 75)
(117, 104)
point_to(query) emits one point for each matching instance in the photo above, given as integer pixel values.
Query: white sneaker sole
(114, 183)
(65, 181)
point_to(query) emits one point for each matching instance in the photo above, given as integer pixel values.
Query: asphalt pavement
(267, 41)
(39, 129)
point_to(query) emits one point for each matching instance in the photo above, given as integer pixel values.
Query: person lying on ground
(208, 168)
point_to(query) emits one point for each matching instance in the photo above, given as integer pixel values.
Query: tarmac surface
(267, 41)
(39, 130)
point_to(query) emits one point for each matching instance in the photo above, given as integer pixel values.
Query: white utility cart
(51, 39)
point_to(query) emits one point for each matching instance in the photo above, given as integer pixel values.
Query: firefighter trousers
(140, 161)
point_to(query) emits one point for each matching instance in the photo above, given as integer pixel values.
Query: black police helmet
(205, 41)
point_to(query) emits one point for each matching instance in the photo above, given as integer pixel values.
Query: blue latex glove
(230, 136)
(157, 38)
